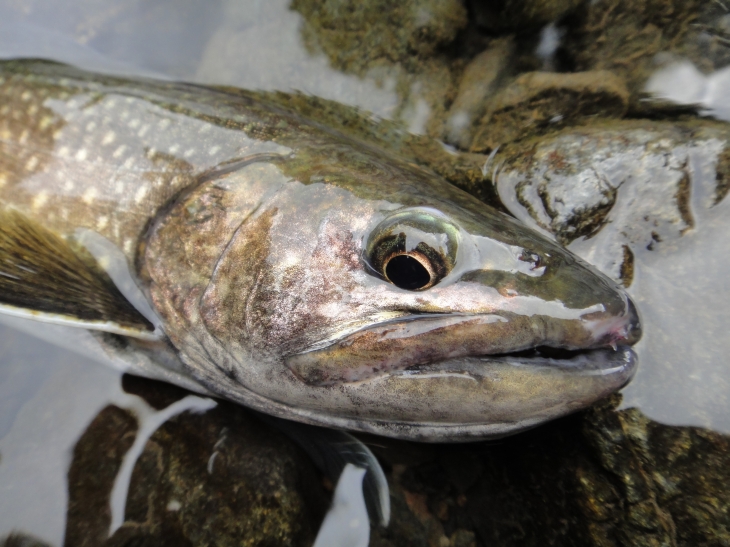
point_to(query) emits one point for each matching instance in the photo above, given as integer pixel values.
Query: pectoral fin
(43, 278)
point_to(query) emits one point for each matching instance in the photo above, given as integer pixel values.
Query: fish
(217, 240)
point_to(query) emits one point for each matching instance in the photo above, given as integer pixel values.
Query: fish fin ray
(43, 278)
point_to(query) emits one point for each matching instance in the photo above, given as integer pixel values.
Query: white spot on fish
(214, 150)
(3, 179)
(89, 196)
(134, 124)
(143, 131)
(119, 187)
(141, 193)
(189, 152)
(32, 163)
(127, 245)
(108, 138)
(63, 152)
(204, 129)
(90, 126)
(32, 110)
(81, 154)
(68, 186)
(119, 151)
(174, 148)
(26, 96)
(40, 200)
(101, 223)
(23, 137)
(129, 163)
(45, 122)
(110, 103)
(174, 505)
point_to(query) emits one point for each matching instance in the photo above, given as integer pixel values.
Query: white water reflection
(683, 294)
(48, 396)
(681, 82)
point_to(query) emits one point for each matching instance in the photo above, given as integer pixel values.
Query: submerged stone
(570, 182)
(600, 478)
(537, 102)
(520, 15)
(218, 478)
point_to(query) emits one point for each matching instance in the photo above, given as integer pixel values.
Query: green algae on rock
(219, 478)
(540, 102)
(601, 478)
(625, 36)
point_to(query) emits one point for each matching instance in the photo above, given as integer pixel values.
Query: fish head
(421, 314)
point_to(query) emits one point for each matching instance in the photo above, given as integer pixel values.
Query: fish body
(280, 264)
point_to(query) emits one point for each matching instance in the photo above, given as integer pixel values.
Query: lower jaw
(596, 362)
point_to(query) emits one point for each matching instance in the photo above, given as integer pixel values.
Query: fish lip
(590, 362)
(339, 364)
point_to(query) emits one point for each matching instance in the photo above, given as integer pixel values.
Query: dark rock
(625, 36)
(218, 478)
(97, 458)
(21, 540)
(360, 35)
(599, 478)
(481, 78)
(538, 102)
(520, 15)
(404, 42)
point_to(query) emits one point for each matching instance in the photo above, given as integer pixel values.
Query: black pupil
(406, 272)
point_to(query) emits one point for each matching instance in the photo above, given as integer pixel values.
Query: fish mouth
(469, 344)
(620, 361)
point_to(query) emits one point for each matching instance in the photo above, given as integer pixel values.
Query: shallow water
(49, 395)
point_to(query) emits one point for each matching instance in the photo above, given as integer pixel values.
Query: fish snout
(633, 329)
(615, 330)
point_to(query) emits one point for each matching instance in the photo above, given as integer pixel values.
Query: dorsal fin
(41, 277)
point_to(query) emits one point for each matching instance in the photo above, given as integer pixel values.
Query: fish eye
(413, 271)
(413, 249)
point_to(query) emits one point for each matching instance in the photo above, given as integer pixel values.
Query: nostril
(633, 333)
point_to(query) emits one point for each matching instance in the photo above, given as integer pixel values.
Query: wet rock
(101, 449)
(21, 540)
(712, 39)
(520, 15)
(537, 102)
(625, 36)
(570, 183)
(218, 478)
(359, 35)
(599, 478)
(403, 44)
(480, 80)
